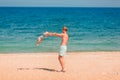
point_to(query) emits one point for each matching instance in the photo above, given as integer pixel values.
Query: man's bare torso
(64, 39)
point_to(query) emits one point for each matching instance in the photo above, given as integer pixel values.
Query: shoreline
(57, 52)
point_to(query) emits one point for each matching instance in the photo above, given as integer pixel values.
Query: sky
(61, 3)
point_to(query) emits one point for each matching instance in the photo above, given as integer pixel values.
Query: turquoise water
(89, 29)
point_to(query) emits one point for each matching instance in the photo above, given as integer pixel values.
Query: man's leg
(61, 60)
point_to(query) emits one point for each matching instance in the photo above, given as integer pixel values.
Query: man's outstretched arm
(52, 34)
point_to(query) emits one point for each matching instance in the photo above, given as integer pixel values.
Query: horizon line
(68, 6)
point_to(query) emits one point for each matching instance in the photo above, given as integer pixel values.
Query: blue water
(89, 29)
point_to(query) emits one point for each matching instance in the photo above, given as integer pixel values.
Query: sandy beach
(45, 66)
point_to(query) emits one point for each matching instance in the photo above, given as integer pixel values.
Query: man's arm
(52, 34)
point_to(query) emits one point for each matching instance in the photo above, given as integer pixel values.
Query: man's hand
(46, 34)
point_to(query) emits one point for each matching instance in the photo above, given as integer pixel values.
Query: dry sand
(45, 66)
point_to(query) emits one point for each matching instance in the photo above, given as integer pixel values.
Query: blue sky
(61, 3)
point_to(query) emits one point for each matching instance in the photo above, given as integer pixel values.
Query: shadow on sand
(45, 69)
(23, 68)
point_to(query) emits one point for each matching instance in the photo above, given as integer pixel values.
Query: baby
(39, 39)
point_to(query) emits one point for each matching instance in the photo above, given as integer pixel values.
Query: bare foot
(63, 71)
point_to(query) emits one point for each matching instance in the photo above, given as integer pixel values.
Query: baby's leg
(38, 41)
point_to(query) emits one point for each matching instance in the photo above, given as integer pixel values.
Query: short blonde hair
(65, 28)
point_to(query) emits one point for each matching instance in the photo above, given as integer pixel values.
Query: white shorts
(63, 50)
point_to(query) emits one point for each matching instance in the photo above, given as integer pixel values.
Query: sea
(89, 29)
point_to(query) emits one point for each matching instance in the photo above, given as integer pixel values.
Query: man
(63, 47)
